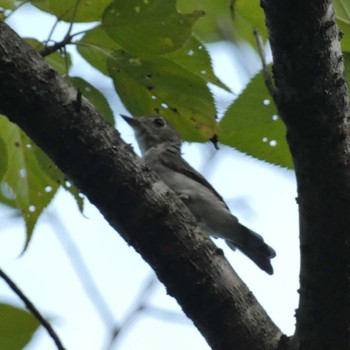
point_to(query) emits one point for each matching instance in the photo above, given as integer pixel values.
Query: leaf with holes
(17, 327)
(156, 85)
(52, 170)
(194, 57)
(147, 27)
(32, 190)
(252, 126)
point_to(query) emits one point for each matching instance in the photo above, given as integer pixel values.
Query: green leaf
(73, 10)
(148, 26)
(154, 85)
(345, 41)
(347, 65)
(57, 176)
(7, 4)
(248, 15)
(96, 46)
(95, 97)
(252, 126)
(32, 190)
(3, 158)
(61, 61)
(252, 12)
(17, 327)
(217, 23)
(7, 196)
(342, 12)
(194, 57)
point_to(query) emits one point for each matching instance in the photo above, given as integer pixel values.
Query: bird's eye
(159, 122)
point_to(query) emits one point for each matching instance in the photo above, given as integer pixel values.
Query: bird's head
(152, 131)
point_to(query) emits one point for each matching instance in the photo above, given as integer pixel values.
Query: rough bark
(149, 217)
(313, 101)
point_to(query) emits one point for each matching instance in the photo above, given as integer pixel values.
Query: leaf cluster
(155, 53)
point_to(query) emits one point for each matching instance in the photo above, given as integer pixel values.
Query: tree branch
(313, 101)
(148, 215)
(140, 304)
(32, 309)
(267, 76)
(48, 50)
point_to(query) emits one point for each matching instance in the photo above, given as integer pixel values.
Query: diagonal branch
(147, 214)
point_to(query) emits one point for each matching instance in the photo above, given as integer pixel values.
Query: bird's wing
(171, 159)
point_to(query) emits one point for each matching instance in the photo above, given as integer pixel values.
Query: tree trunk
(312, 99)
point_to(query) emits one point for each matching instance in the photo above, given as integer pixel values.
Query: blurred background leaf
(73, 10)
(17, 327)
(148, 27)
(59, 60)
(96, 47)
(31, 189)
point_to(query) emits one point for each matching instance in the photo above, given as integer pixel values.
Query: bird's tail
(254, 247)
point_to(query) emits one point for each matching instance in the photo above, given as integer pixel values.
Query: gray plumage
(160, 147)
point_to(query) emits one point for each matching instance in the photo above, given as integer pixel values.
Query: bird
(160, 146)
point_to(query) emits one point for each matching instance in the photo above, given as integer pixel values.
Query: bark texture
(149, 217)
(312, 98)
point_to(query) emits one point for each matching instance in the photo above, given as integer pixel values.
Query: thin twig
(135, 311)
(167, 315)
(66, 40)
(52, 30)
(48, 50)
(82, 271)
(267, 76)
(73, 17)
(91, 289)
(16, 8)
(34, 311)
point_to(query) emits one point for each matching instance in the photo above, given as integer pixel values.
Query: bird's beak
(133, 122)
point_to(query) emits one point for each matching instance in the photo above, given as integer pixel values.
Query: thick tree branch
(149, 216)
(313, 101)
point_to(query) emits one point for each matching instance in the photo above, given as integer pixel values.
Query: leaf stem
(267, 76)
